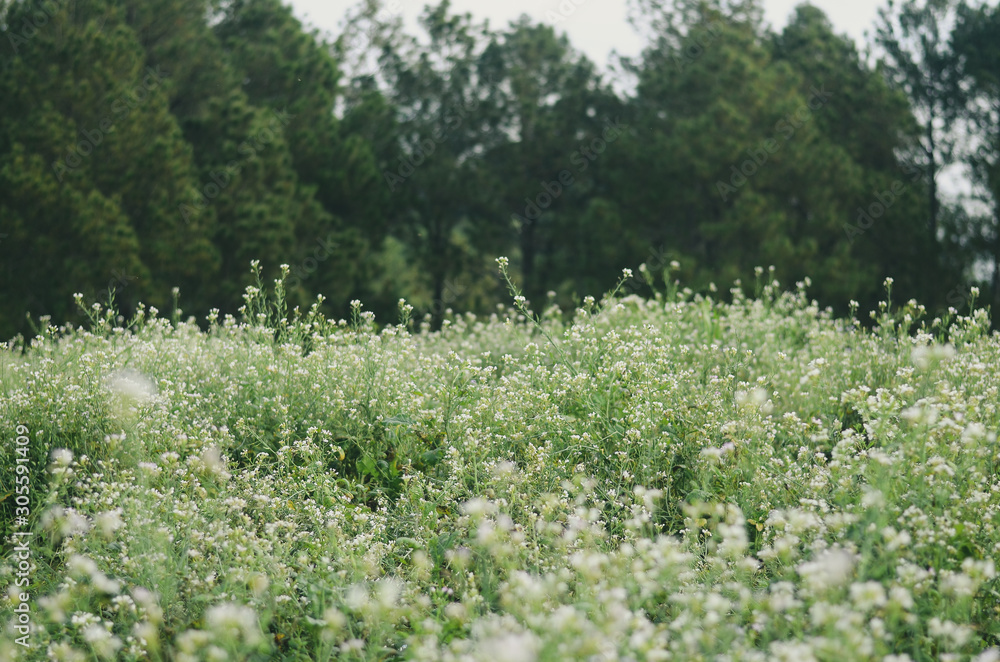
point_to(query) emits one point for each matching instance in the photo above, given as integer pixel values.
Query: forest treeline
(159, 144)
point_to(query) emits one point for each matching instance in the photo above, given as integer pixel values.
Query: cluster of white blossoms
(665, 479)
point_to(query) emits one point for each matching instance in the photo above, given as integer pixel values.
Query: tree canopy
(147, 146)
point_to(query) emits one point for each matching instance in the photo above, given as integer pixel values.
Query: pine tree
(91, 178)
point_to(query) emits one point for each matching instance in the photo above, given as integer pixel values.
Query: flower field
(672, 478)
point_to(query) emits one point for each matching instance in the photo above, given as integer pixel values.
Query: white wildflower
(900, 596)
(792, 651)
(108, 522)
(925, 356)
(334, 619)
(258, 583)
(64, 652)
(477, 507)
(233, 622)
(872, 498)
(67, 522)
(81, 566)
(949, 631)
(62, 457)
(980, 571)
(973, 432)
(132, 386)
(101, 640)
(105, 585)
(357, 597)
(868, 595)
(190, 641)
(510, 647)
(895, 539)
(214, 462)
(354, 645)
(829, 569)
(387, 592)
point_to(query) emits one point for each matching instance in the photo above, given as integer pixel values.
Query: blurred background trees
(166, 143)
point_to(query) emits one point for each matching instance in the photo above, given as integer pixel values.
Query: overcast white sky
(595, 26)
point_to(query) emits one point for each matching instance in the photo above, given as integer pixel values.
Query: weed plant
(673, 478)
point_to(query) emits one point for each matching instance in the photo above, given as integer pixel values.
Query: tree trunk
(439, 272)
(528, 257)
(995, 285)
(932, 179)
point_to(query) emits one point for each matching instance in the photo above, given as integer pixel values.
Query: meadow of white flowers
(654, 479)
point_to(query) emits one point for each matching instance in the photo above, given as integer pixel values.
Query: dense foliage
(166, 143)
(664, 478)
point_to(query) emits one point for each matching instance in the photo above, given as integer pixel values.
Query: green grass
(668, 478)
